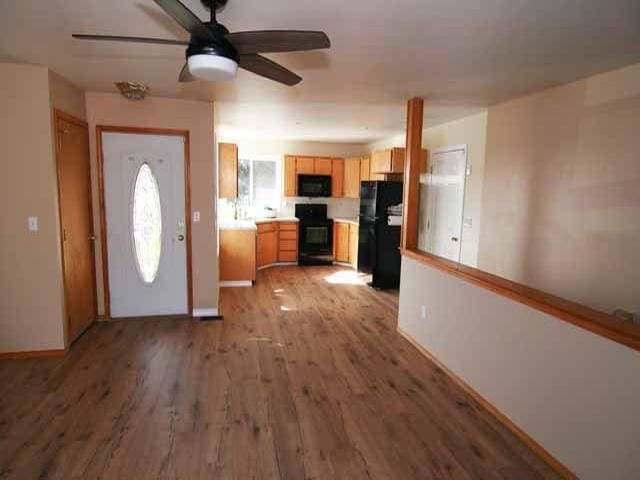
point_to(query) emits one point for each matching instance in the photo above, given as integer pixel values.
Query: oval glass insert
(146, 224)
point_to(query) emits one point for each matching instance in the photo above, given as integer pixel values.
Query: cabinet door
(337, 177)
(305, 165)
(267, 247)
(365, 171)
(322, 166)
(290, 186)
(228, 170)
(237, 255)
(352, 177)
(381, 161)
(397, 160)
(353, 244)
(342, 242)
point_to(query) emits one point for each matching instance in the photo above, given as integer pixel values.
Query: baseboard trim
(236, 283)
(553, 462)
(32, 354)
(344, 264)
(278, 264)
(205, 312)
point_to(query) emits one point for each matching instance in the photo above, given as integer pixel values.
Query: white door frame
(447, 149)
(103, 218)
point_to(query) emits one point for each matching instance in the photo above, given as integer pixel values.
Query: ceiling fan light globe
(213, 68)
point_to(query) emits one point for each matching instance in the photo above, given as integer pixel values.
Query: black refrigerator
(379, 243)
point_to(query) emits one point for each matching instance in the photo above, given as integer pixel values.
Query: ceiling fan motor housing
(212, 60)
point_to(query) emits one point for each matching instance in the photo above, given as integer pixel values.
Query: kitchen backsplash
(336, 207)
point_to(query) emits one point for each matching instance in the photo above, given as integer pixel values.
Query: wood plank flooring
(306, 378)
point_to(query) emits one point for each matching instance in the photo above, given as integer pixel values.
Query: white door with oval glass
(144, 194)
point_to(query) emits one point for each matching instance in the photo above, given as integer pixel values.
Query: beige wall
(67, 97)
(470, 131)
(575, 393)
(561, 202)
(197, 117)
(31, 290)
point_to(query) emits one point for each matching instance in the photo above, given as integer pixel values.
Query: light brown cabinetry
(337, 177)
(391, 161)
(352, 177)
(365, 169)
(322, 166)
(288, 242)
(237, 255)
(277, 242)
(341, 242)
(305, 165)
(228, 170)
(345, 242)
(302, 165)
(290, 176)
(267, 243)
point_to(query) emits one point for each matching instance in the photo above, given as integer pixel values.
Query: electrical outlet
(423, 312)
(196, 217)
(33, 224)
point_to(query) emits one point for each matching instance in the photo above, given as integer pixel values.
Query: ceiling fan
(214, 54)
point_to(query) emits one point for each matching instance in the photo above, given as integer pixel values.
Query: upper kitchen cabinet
(305, 165)
(322, 166)
(391, 161)
(228, 170)
(337, 177)
(365, 170)
(302, 165)
(290, 176)
(351, 187)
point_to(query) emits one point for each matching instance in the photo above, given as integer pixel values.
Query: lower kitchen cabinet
(237, 255)
(267, 243)
(345, 242)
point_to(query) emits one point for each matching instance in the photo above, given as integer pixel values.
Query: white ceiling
(460, 55)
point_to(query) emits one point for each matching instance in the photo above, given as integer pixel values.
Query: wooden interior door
(76, 221)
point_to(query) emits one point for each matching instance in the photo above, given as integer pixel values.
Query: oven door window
(316, 235)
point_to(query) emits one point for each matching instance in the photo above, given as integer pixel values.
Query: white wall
(574, 392)
(470, 131)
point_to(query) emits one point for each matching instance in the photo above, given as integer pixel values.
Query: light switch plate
(33, 224)
(196, 217)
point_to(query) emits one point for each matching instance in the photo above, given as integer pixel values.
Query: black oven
(314, 185)
(315, 238)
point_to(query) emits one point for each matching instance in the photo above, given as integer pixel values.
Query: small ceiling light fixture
(211, 67)
(133, 90)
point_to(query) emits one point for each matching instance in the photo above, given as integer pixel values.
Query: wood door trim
(597, 322)
(60, 115)
(103, 218)
(542, 452)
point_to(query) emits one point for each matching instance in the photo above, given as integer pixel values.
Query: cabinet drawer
(288, 245)
(267, 227)
(288, 226)
(288, 235)
(288, 256)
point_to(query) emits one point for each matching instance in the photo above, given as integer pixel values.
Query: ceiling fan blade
(271, 41)
(185, 74)
(186, 18)
(118, 38)
(269, 69)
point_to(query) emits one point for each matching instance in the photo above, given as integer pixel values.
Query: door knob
(92, 237)
(180, 238)
(454, 239)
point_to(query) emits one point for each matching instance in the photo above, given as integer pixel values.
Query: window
(146, 224)
(258, 186)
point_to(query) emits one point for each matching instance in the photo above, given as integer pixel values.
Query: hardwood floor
(306, 378)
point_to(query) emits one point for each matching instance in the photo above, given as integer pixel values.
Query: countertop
(352, 220)
(251, 224)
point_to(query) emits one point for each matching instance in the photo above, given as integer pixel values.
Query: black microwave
(314, 185)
